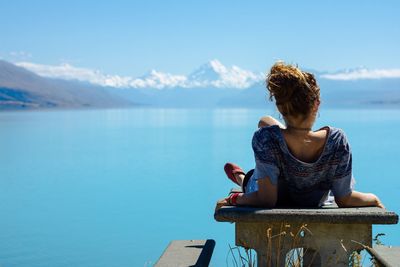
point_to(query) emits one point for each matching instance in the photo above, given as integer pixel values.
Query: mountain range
(23, 89)
(32, 86)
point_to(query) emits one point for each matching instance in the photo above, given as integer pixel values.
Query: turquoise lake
(113, 187)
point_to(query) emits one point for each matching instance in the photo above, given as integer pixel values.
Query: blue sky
(133, 37)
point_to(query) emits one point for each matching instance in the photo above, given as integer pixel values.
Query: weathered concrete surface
(323, 244)
(182, 253)
(325, 235)
(365, 215)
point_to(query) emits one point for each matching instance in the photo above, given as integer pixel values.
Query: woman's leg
(236, 174)
(243, 180)
(246, 180)
(239, 178)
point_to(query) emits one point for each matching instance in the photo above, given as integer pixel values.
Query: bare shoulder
(322, 133)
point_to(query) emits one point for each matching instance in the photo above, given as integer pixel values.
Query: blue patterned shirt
(301, 183)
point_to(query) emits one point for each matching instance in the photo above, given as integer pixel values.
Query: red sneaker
(231, 169)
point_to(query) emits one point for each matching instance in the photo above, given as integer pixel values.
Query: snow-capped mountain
(207, 72)
(362, 73)
(156, 80)
(23, 89)
(213, 74)
(213, 84)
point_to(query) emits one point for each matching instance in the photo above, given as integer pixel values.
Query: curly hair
(295, 91)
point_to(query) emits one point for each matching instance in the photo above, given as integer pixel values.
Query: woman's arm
(269, 121)
(358, 199)
(265, 197)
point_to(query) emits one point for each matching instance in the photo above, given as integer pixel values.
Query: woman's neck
(296, 128)
(299, 125)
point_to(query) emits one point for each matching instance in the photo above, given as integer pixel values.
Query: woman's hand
(221, 203)
(358, 199)
(379, 203)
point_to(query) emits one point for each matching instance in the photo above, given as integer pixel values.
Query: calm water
(113, 187)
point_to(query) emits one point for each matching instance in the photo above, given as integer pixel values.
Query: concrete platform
(386, 256)
(369, 215)
(183, 253)
(326, 234)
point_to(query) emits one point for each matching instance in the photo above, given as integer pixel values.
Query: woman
(294, 165)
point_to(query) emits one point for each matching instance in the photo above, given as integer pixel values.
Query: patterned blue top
(300, 183)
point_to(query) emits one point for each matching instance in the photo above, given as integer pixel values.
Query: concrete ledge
(365, 215)
(386, 256)
(182, 253)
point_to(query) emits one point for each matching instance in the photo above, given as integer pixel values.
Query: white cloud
(69, 72)
(363, 74)
(159, 80)
(155, 79)
(21, 55)
(212, 74)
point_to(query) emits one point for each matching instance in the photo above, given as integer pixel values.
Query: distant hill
(23, 89)
(363, 93)
(214, 88)
(380, 93)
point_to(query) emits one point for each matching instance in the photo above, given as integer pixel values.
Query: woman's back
(306, 182)
(306, 146)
